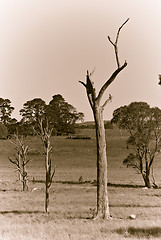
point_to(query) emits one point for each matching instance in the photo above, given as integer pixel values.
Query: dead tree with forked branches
(97, 108)
(45, 133)
(21, 160)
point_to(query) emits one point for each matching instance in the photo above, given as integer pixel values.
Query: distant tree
(108, 125)
(31, 112)
(3, 131)
(62, 115)
(5, 111)
(45, 133)
(21, 160)
(12, 126)
(143, 124)
(97, 108)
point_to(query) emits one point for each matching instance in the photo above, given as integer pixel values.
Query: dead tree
(21, 160)
(97, 108)
(45, 134)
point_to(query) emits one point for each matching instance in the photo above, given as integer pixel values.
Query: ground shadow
(94, 183)
(146, 232)
(121, 185)
(134, 205)
(18, 212)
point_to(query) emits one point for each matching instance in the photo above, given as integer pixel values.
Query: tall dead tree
(97, 108)
(45, 134)
(21, 160)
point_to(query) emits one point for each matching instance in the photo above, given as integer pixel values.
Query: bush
(3, 131)
(108, 125)
(79, 137)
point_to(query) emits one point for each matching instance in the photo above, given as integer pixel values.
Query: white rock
(35, 189)
(132, 216)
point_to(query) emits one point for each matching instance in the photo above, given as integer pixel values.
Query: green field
(72, 203)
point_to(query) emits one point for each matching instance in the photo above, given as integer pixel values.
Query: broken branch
(110, 80)
(107, 101)
(116, 41)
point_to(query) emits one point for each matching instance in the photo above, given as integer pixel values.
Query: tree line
(61, 115)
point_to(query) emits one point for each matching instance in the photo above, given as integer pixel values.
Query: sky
(47, 46)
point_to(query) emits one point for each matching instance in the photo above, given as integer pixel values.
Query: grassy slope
(71, 205)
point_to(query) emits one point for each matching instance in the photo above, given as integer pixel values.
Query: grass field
(72, 203)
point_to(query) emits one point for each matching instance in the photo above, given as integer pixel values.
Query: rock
(132, 216)
(35, 189)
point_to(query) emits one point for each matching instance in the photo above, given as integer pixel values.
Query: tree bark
(47, 192)
(24, 175)
(146, 180)
(146, 176)
(102, 193)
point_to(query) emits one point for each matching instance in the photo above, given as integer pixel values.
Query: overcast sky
(46, 47)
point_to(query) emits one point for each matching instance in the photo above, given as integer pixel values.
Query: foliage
(86, 125)
(143, 124)
(12, 126)
(62, 115)
(131, 161)
(5, 111)
(108, 125)
(3, 131)
(31, 112)
(91, 125)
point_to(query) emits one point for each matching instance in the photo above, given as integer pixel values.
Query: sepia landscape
(80, 120)
(73, 193)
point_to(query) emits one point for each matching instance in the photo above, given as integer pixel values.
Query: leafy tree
(62, 115)
(97, 108)
(5, 111)
(31, 112)
(143, 123)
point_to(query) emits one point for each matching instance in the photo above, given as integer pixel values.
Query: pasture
(73, 202)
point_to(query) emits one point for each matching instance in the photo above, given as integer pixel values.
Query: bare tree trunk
(146, 180)
(21, 160)
(146, 173)
(95, 103)
(48, 170)
(47, 192)
(146, 176)
(45, 134)
(102, 193)
(24, 177)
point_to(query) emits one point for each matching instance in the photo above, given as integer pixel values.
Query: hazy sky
(46, 47)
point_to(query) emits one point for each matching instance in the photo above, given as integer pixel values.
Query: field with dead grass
(73, 202)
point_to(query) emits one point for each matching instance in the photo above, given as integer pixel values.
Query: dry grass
(72, 205)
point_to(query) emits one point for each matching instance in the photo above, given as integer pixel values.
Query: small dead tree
(97, 108)
(45, 134)
(21, 160)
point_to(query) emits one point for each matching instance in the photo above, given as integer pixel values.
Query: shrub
(3, 131)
